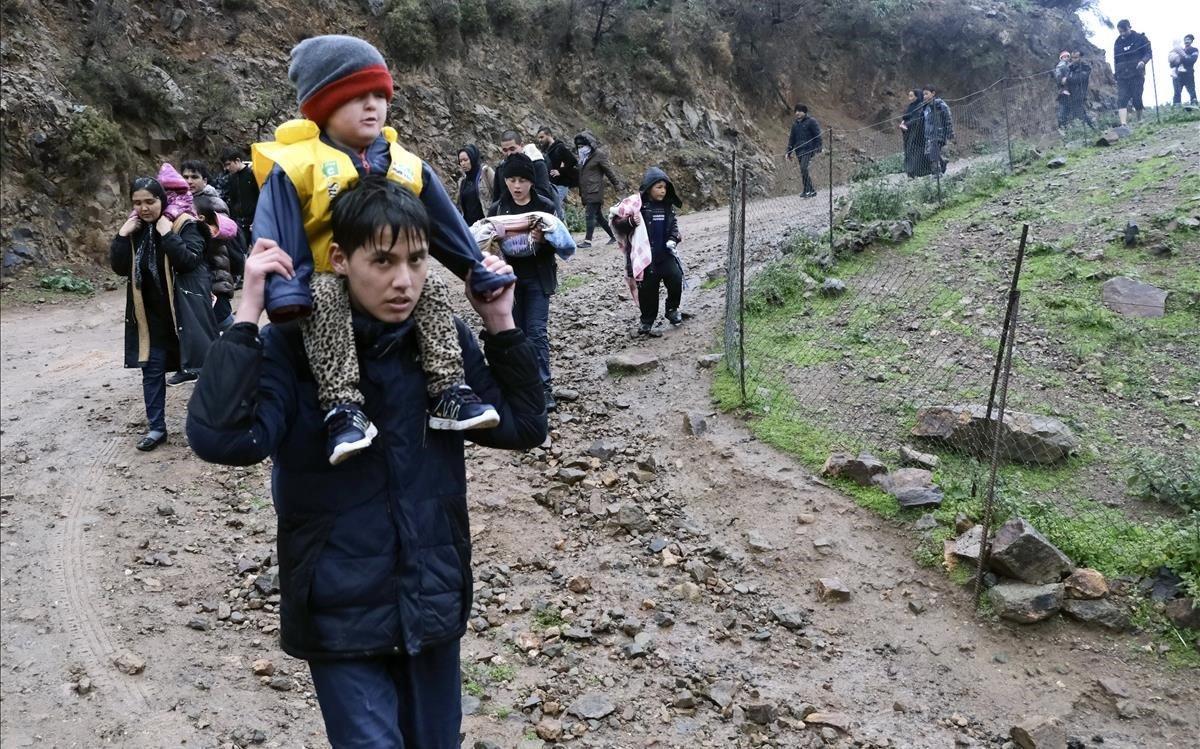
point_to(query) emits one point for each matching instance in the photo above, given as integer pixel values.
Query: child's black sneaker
(350, 432)
(181, 378)
(459, 409)
(674, 317)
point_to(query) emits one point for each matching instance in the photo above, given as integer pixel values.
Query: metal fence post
(742, 292)
(831, 194)
(1007, 126)
(1154, 82)
(989, 499)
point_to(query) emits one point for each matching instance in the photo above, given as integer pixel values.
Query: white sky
(1163, 21)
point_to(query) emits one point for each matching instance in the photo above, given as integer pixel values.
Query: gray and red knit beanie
(329, 71)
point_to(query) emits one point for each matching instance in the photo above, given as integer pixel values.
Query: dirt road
(673, 586)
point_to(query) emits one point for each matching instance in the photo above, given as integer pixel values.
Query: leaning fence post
(1154, 82)
(831, 193)
(997, 435)
(742, 292)
(1012, 291)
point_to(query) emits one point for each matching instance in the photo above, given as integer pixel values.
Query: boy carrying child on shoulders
(343, 88)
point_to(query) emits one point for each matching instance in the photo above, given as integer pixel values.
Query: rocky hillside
(95, 92)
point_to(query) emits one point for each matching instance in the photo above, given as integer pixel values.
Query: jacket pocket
(302, 538)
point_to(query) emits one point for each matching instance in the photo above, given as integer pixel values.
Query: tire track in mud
(80, 612)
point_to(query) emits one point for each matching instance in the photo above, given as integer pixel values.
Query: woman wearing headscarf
(912, 128)
(475, 186)
(168, 312)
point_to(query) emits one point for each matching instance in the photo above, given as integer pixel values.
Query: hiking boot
(647, 329)
(350, 432)
(182, 378)
(674, 317)
(459, 409)
(151, 440)
(584, 244)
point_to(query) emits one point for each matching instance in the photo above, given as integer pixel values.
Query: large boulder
(1025, 604)
(1020, 552)
(1132, 298)
(1184, 612)
(1024, 438)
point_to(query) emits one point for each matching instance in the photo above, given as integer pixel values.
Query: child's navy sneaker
(459, 409)
(674, 317)
(350, 432)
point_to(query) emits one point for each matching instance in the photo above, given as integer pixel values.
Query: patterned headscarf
(147, 246)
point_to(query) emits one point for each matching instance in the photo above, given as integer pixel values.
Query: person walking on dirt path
(939, 127)
(659, 201)
(1183, 70)
(912, 129)
(512, 143)
(168, 316)
(533, 260)
(564, 167)
(593, 170)
(241, 192)
(475, 184)
(804, 142)
(1131, 54)
(375, 554)
(1079, 76)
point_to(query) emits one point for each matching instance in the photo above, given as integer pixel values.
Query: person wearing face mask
(593, 169)
(475, 184)
(168, 316)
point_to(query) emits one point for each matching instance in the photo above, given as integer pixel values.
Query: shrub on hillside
(130, 86)
(408, 32)
(1174, 481)
(92, 140)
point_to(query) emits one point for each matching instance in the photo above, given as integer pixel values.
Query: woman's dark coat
(593, 173)
(916, 164)
(189, 288)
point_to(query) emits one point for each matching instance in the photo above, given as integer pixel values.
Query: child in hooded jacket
(659, 201)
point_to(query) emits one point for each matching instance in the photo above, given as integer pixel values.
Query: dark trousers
(223, 313)
(1063, 110)
(154, 389)
(804, 159)
(594, 216)
(397, 702)
(667, 273)
(1182, 81)
(531, 313)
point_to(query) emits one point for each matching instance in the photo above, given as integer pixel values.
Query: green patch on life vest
(329, 168)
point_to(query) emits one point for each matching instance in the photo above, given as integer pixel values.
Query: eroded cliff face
(96, 92)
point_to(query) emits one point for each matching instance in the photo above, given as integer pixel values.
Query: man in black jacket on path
(804, 143)
(564, 167)
(1131, 54)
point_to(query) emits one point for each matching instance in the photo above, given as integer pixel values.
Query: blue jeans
(393, 702)
(154, 389)
(560, 207)
(531, 313)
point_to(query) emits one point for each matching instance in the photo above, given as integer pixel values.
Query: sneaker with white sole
(182, 378)
(458, 409)
(350, 432)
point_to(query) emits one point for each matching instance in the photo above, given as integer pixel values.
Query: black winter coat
(1078, 77)
(375, 553)
(241, 192)
(1127, 53)
(189, 288)
(805, 137)
(559, 157)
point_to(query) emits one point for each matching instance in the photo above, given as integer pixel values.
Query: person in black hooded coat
(659, 201)
(169, 321)
(912, 128)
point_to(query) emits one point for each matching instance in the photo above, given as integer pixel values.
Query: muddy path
(668, 578)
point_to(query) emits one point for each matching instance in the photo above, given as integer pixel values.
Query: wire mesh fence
(930, 373)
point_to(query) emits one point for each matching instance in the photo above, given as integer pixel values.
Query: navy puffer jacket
(374, 554)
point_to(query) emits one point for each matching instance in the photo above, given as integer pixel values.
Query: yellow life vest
(319, 172)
